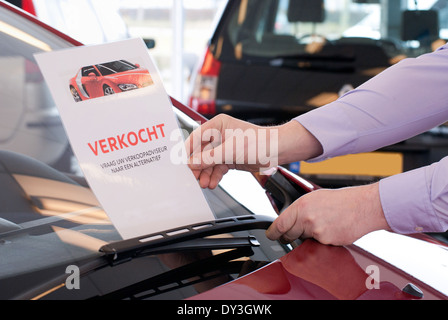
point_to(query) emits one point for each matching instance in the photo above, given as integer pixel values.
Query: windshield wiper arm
(187, 237)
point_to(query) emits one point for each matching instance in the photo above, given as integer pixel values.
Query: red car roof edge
(188, 111)
(35, 20)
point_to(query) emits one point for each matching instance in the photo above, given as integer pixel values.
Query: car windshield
(49, 217)
(115, 67)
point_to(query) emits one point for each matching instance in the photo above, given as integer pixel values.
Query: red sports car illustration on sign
(108, 78)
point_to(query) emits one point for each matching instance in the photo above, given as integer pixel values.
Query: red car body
(313, 271)
(108, 78)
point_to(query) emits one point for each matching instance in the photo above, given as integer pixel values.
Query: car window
(88, 70)
(277, 28)
(115, 67)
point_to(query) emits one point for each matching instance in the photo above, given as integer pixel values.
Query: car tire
(75, 94)
(108, 90)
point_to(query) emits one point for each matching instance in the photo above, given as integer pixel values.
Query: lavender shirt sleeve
(408, 98)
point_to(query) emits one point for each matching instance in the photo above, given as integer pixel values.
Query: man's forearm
(296, 143)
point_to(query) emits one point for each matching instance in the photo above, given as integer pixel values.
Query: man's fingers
(216, 153)
(196, 173)
(217, 174)
(205, 158)
(204, 134)
(210, 177)
(286, 227)
(204, 177)
(193, 141)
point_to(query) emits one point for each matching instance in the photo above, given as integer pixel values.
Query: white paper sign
(122, 129)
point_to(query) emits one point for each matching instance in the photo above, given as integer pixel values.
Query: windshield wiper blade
(185, 237)
(198, 244)
(200, 271)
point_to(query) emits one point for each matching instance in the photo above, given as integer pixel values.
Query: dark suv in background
(271, 60)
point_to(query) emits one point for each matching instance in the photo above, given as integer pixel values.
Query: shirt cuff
(331, 127)
(406, 203)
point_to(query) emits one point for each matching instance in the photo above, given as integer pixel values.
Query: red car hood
(378, 266)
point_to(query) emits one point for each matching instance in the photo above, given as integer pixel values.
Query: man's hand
(224, 143)
(336, 217)
(218, 145)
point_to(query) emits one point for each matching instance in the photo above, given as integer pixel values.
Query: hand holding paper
(121, 125)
